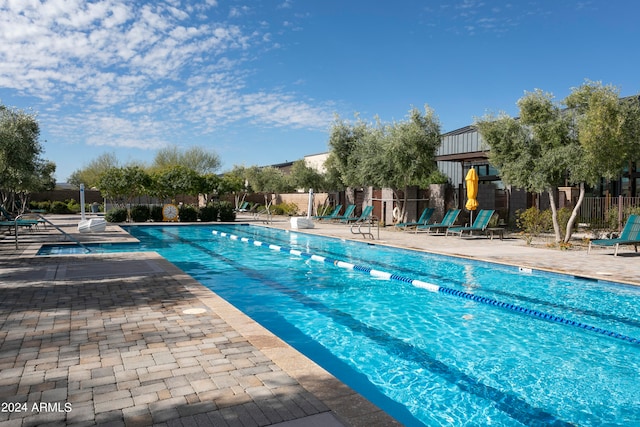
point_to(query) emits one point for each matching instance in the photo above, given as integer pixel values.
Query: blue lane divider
(431, 287)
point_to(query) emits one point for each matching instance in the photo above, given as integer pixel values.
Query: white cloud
(134, 69)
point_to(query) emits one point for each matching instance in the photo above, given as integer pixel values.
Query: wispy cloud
(471, 17)
(137, 74)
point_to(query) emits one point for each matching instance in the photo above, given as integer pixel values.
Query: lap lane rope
(430, 287)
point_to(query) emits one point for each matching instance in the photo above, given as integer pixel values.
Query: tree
(90, 174)
(114, 186)
(306, 177)
(534, 151)
(396, 155)
(172, 181)
(194, 158)
(346, 144)
(267, 180)
(208, 185)
(22, 170)
(608, 130)
(404, 153)
(41, 180)
(548, 145)
(122, 185)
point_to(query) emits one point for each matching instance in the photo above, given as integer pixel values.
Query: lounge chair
(364, 216)
(348, 211)
(424, 219)
(480, 224)
(10, 220)
(330, 216)
(244, 206)
(448, 220)
(630, 236)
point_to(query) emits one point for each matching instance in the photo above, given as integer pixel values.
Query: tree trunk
(403, 211)
(574, 214)
(554, 214)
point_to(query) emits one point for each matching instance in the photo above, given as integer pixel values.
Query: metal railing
(64, 233)
(598, 211)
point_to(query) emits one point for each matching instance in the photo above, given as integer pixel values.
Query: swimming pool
(498, 346)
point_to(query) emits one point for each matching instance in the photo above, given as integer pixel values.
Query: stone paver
(109, 340)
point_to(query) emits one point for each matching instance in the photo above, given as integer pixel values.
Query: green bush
(156, 213)
(187, 213)
(533, 222)
(140, 213)
(325, 210)
(74, 206)
(226, 212)
(40, 206)
(60, 208)
(611, 219)
(116, 215)
(285, 209)
(208, 213)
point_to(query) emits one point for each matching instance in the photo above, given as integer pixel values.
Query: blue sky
(260, 82)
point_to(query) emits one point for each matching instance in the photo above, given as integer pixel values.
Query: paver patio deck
(116, 339)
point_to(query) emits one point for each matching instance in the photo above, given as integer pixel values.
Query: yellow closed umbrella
(472, 191)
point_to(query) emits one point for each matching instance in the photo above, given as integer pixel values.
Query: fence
(605, 212)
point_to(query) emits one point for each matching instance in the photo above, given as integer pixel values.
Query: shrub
(226, 212)
(533, 222)
(40, 206)
(60, 208)
(285, 209)
(74, 206)
(116, 215)
(209, 213)
(187, 213)
(155, 213)
(325, 210)
(140, 213)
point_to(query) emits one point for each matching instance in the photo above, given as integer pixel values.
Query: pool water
(505, 347)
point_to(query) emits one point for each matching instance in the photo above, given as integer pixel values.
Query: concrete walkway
(120, 339)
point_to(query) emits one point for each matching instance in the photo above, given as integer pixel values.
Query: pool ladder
(357, 228)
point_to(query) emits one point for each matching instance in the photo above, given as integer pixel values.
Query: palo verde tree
(22, 170)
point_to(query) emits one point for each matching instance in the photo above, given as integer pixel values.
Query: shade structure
(472, 189)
